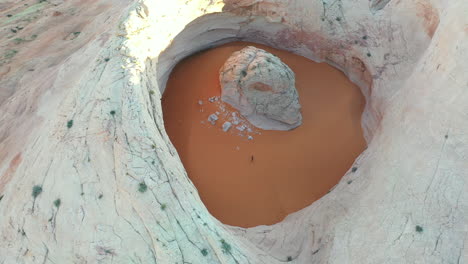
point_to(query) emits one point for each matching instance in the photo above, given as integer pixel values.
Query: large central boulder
(262, 88)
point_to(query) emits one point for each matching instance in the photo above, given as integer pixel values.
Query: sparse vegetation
(225, 246)
(354, 169)
(9, 15)
(289, 258)
(10, 54)
(204, 252)
(163, 207)
(18, 41)
(151, 92)
(244, 73)
(368, 54)
(106, 59)
(112, 112)
(57, 203)
(142, 187)
(76, 33)
(100, 196)
(338, 19)
(70, 123)
(37, 189)
(16, 29)
(153, 146)
(419, 229)
(350, 181)
(364, 37)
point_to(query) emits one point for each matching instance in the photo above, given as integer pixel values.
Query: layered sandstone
(88, 173)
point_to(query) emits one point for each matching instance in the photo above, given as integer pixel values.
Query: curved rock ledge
(88, 174)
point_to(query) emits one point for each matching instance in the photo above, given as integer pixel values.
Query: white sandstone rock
(213, 118)
(262, 88)
(226, 126)
(410, 174)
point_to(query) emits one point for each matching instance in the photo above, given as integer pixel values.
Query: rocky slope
(88, 174)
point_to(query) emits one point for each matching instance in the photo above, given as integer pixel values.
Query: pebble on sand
(226, 126)
(212, 118)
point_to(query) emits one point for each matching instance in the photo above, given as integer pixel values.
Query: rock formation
(262, 88)
(112, 188)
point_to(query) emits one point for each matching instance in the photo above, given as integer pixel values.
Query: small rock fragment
(213, 99)
(249, 137)
(213, 118)
(226, 126)
(240, 128)
(200, 102)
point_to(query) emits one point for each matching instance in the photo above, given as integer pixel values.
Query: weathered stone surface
(262, 88)
(226, 126)
(213, 118)
(409, 59)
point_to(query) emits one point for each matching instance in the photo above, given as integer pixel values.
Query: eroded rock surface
(262, 88)
(407, 201)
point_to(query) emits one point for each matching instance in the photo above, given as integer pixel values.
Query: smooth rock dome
(262, 88)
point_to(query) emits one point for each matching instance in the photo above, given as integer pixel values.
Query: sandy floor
(248, 182)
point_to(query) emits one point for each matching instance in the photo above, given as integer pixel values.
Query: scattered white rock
(249, 137)
(213, 99)
(200, 102)
(213, 118)
(226, 126)
(241, 128)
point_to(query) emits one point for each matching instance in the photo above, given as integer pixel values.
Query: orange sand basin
(259, 181)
